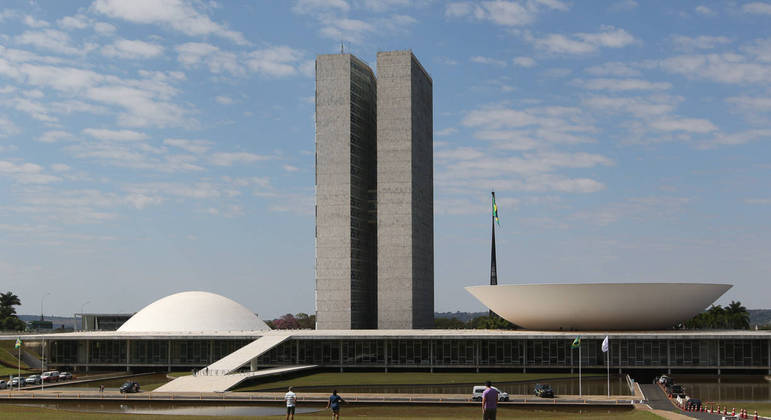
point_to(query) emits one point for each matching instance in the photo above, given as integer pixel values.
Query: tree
(449, 324)
(733, 316)
(8, 319)
(7, 302)
(305, 321)
(286, 322)
(737, 316)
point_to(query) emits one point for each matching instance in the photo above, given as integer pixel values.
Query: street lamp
(41, 305)
(82, 308)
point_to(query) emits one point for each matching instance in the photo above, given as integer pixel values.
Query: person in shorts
(489, 402)
(291, 403)
(334, 404)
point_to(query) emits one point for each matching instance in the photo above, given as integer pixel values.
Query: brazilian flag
(576, 343)
(495, 211)
(18, 343)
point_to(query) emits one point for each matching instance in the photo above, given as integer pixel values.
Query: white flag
(605, 346)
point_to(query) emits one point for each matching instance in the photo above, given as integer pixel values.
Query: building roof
(193, 311)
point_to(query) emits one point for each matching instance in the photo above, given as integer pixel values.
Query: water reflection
(569, 386)
(726, 388)
(170, 408)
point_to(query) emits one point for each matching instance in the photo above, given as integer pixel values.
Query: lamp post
(41, 305)
(82, 319)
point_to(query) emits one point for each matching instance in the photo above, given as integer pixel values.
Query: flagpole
(608, 356)
(580, 394)
(19, 378)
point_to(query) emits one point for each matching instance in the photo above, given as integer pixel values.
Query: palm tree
(737, 316)
(7, 302)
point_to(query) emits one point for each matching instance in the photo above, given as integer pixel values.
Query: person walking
(334, 404)
(291, 403)
(489, 402)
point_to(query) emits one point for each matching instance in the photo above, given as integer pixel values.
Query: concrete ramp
(244, 355)
(222, 383)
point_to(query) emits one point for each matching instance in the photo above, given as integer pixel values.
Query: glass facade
(540, 353)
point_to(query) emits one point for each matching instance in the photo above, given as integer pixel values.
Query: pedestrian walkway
(222, 383)
(244, 355)
(658, 400)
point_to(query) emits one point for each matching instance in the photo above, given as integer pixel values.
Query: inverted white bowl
(598, 306)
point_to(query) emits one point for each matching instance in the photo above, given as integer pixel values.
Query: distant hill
(760, 316)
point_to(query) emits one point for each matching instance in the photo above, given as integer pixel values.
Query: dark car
(693, 404)
(129, 387)
(676, 391)
(543, 391)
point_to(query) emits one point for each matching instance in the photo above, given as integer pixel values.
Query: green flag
(576, 343)
(18, 343)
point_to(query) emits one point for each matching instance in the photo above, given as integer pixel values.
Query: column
(341, 356)
(169, 351)
(524, 355)
(87, 351)
(297, 352)
(128, 355)
(669, 358)
(717, 343)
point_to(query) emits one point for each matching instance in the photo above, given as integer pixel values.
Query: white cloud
(275, 61)
(132, 49)
(488, 60)
(637, 106)
(290, 168)
(26, 173)
(224, 100)
(506, 13)
(380, 6)
(73, 22)
(723, 68)
(315, 6)
(623, 5)
(104, 28)
(445, 131)
(54, 136)
(60, 167)
(34, 23)
(758, 8)
(690, 125)
(523, 61)
(702, 42)
(751, 103)
(760, 49)
(613, 69)
(193, 146)
(7, 127)
(180, 15)
(622, 84)
(704, 10)
(232, 158)
(583, 43)
(53, 40)
(733, 139)
(117, 135)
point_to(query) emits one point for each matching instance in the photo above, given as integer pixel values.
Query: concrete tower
(405, 193)
(346, 233)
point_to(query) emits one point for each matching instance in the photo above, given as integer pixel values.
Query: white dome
(194, 311)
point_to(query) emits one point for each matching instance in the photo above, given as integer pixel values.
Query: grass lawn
(6, 371)
(403, 378)
(8, 354)
(370, 412)
(764, 408)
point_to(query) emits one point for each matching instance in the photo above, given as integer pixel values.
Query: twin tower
(374, 193)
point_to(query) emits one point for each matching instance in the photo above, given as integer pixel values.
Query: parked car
(65, 376)
(476, 393)
(664, 380)
(693, 404)
(55, 375)
(129, 387)
(46, 377)
(33, 380)
(676, 391)
(543, 391)
(16, 380)
(3, 384)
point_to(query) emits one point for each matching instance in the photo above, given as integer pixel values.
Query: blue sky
(153, 147)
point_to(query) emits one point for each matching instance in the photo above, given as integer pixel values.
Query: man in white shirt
(291, 402)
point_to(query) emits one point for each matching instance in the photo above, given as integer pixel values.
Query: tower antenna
(341, 47)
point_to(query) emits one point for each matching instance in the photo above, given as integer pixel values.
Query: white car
(3, 384)
(476, 393)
